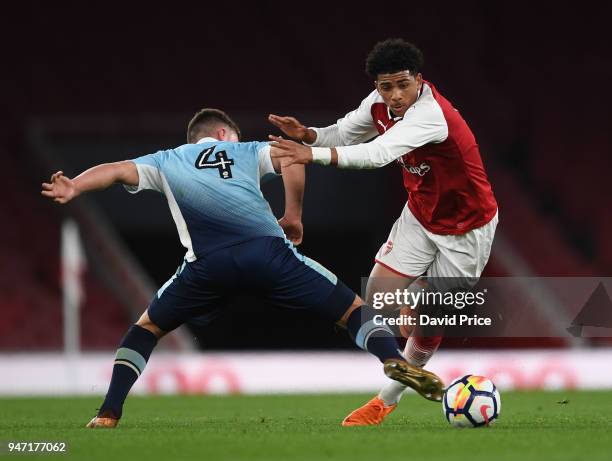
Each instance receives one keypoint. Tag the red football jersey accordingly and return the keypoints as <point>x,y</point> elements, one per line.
<point>448,189</point>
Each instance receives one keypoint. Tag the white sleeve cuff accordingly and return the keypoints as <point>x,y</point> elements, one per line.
<point>321,155</point>
<point>266,167</point>
<point>149,177</point>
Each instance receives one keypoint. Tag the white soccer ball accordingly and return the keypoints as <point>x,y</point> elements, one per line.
<point>471,401</point>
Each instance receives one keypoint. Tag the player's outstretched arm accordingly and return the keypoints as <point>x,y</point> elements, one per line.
<point>355,127</point>
<point>293,128</point>
<point>62,189</point>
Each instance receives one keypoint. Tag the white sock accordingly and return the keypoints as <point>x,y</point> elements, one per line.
<point>393,391</point>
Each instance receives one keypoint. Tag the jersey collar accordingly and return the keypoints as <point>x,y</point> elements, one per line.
<point>391,116</point>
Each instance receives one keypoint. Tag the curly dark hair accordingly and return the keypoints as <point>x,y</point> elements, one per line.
<point>204,121</point>
<point>394,55</point>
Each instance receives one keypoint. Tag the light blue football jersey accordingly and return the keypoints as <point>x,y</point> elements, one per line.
<point>213,192</point>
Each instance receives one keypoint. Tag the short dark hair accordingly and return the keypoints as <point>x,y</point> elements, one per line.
<point>205,121</point>
<point>394,55</point>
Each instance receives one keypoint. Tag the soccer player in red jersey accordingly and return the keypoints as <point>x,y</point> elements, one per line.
<point>448,224</point>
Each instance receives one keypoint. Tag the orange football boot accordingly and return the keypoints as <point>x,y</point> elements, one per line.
<point>371,413</point>
<point>104,421</point>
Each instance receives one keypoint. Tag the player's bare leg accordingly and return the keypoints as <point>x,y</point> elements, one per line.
<point>403,373</point>
<point>130,360</point>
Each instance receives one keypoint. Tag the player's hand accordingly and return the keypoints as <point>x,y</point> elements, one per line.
<point>294,230</point>
<point>289,152</point>
<point>61,188</point>
<point>290,126</point>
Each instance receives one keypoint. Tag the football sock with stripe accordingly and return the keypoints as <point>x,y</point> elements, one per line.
<point>419,349</point>
<point>377,339</point>
<point>130,361</point>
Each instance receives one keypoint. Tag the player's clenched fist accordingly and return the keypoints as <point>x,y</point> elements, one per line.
<point>61,188</point>
<point>293,228</point>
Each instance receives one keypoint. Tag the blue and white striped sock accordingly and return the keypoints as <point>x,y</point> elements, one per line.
<point>378,340</point>
<point>130,361</point>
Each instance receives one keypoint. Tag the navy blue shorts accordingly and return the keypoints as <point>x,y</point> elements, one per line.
<point>268,266</point>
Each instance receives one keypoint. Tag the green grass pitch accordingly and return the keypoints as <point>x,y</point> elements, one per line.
<point>533,426</point>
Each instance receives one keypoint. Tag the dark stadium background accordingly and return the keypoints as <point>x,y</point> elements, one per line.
<point>111,81</point>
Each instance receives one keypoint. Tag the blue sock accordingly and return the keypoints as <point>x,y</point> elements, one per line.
<point>376,339</point>
<point>130,361</point>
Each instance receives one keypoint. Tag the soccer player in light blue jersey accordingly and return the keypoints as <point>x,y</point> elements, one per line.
<point>234,244</point>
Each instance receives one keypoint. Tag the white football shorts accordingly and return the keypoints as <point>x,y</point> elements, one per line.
<point>412,251</point>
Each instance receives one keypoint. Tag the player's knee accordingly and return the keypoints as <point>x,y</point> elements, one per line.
<point>383,280</point>
<point>356,303</point>
<point>145,322</point>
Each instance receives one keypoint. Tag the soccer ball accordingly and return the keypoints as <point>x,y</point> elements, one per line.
<point>471,401</point>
